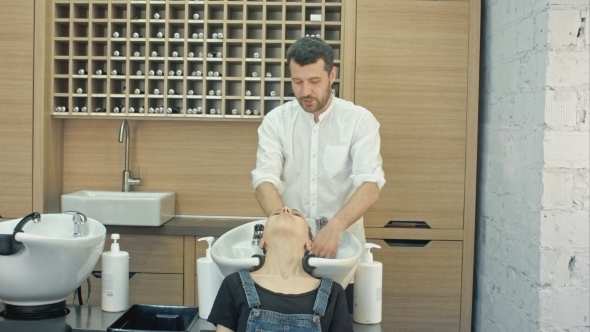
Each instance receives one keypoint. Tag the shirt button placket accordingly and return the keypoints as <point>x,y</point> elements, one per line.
<point>313,172</point>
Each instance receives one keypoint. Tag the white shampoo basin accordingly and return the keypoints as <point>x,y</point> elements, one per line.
<point>122,208</point>
<point>51,263</point>
<point>233,251</point>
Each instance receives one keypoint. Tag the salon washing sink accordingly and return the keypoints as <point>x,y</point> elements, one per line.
<point>51,263</point>
<point>233,251</point>
<point>122,208</point>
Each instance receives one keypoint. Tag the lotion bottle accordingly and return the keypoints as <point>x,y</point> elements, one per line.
<point>209,280</point>
<point>368,287</point>
<point>115,278</point>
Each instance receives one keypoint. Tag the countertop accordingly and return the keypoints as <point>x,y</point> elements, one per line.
<point>93,319</point>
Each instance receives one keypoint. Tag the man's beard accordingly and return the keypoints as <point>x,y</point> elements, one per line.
<point>320,103</point>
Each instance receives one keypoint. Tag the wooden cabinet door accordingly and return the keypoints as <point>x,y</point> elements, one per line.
<point>421,284</point>
<point>411,73</point>
<point>16,112</point>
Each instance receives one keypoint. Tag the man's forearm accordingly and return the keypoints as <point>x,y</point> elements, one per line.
<point>268,198</point>
<point>360,202</point>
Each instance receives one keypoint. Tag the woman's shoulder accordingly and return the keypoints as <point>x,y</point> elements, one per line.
<point>233,279</point>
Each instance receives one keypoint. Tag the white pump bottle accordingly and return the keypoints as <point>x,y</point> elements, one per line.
<point>115,278</point>
<point>368,288</point>
<point>209,280</point>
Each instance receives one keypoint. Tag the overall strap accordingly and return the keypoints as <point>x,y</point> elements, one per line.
<point>321,300</point>
<point>249,289</point>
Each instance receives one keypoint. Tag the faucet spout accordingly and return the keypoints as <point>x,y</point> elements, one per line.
<point>128,181</point>
<point>79,220</point>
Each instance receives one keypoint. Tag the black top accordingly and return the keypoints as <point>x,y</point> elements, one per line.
<point>231,310</point>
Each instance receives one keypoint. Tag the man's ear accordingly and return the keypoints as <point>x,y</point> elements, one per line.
<point>308,245</point>
<point>262,243</point>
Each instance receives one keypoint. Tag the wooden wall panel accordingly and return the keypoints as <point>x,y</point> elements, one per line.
<point>411,72</point>
<point>207,163</point>
<point>16,113</point>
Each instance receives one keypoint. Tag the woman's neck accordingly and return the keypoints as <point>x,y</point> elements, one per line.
<point>283,261</point>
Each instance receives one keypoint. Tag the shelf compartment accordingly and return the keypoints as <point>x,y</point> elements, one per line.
<point>273,51</point>
<point>293,31</point>
<point>60,85</point>
<point>61,48</point>
<point>214,67</point>
<point>136,84</point>
<point>214,28</point>
<point>176,11</point>
<point>120,28</point>
<point>62,10</point>
<point>333,13</point>
<point>253,31</point>
<point>117,87</point>
<point>332,32</point>
<point>272,86</point>
<point>196,8</point>
<point>215,11</point>
<point>196,48</point>
<point>80,103</point>
<point>157,8</point>
<point>135,66</point>
<point>156,84</point>
<point>253,106</point>
<point>235,12</point>
<point>288,90</point>
<point>274,69</point>
<point>254,68</point>
<point>234,69</point>
<point>60,102</point>
<point>119,11</point>
<point>138,11</point>
<point>251,49</point>
<point>176,28</point>
<point>121,47</point>
<point>176,66</point>
<point>235,31</point>
<point>234,88</point>
<point>274,13</point>
<point>157,47</point>
<point>212,104</point>
<point>62,29</point>
<point>312,10</point>
<point>60,67</point>
<point>99,30</point>
<point>274,32</point>
<point>254,12</point>
<point>80,29</point>
<point>254,88</point>
<point>196,86</point>
<point>81,10</point>
<point>135,104</point>
<point>137,46</point>
<point>178,88</point>
<point>234,50</point>
<point>270,105</point>
<point>98,103</point>
<point>179,49</point>
<point>233,104</point>
<point>98,64</point>
<point>215,86</point>
<point>98,86</point>
<point>155,65</point>
<point>293,13</point>
<point>118,102</point>
<point>79,64</point>
<point>100,10</point>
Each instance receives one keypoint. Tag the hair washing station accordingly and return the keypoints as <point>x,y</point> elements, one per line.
<point>235,249</point>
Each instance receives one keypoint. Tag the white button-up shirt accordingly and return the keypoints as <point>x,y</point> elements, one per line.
<point>316,167</point>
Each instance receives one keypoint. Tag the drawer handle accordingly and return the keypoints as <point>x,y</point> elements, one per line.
<point>407,243</point>
<point>98,274</point>
<point>407,224</point>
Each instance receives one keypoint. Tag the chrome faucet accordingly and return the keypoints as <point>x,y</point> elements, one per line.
<point>127,180</point>
<point>257,236</point>
<point>79,220</point>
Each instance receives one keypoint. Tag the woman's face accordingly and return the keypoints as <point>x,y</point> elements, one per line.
<point>286,223</point>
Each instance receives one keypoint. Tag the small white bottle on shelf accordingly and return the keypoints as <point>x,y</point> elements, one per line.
<point>209,280</point>
<point>115,278</point>
<point>368,288</point>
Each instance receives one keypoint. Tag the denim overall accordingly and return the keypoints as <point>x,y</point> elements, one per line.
<point>261,320</point>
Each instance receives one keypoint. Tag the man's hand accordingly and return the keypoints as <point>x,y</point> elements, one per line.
<point>325,242</point>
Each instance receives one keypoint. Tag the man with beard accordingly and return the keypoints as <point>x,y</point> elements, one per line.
<point>319,154</point>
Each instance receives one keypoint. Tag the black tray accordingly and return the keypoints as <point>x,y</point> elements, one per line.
<point>142,317</point>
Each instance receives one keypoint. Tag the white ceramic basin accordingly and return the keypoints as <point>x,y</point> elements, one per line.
<point>52,263</point>
<point>122,208</point>
<point>233,251</point>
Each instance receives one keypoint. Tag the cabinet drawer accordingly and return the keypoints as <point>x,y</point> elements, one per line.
<point>144,288</point>
<point>150,253</point>
<point>421,284</point>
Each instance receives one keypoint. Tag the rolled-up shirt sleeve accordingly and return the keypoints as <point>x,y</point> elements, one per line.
<point>269,157</point>
<point>365,153</point>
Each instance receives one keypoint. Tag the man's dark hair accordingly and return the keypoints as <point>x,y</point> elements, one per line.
<point>308,50</point>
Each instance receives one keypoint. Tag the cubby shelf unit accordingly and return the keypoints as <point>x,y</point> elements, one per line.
<point>114,58</point>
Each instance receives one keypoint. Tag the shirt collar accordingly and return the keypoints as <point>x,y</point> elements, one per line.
<point>323,115</point>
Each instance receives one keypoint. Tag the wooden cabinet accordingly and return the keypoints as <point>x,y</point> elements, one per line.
<point>417,71</point>
<point>156,265</point>
<point>16,113</point>
<point>421,284</point>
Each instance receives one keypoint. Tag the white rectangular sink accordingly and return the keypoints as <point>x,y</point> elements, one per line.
<point>122,208</point>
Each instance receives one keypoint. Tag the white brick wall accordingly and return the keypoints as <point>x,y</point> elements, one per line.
<point>532,261</point>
